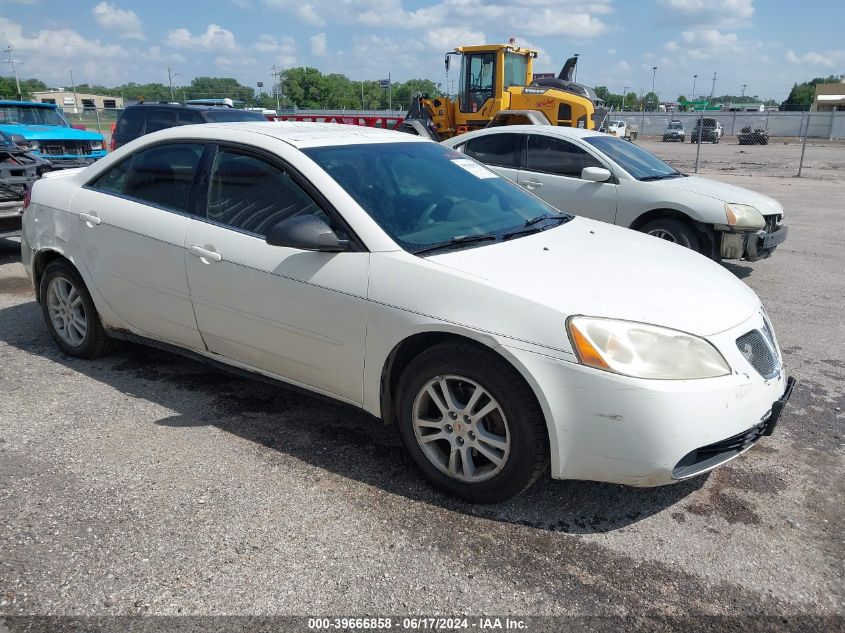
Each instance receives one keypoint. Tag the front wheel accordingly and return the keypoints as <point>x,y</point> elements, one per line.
<point>471,424</point>
<point>672,230</point>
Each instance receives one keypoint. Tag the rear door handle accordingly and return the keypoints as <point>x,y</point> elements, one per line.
<point>532,184</point>
<point>205,254</point>
<point>89,219</point>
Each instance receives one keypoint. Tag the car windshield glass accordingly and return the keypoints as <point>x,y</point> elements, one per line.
<point>635,160</point>
<point>31,115</point>
<point>228,116</point>
<point>675,126</point>
<point>425,194</point>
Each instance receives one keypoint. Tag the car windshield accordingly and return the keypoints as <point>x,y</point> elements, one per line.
<point>229,116</point>
<point>424,194</point>
<point>675,126</point>
<point>31,115</point>
<point>641,164</point>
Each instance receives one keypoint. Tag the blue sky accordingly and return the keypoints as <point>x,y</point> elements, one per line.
<point>766,44</point>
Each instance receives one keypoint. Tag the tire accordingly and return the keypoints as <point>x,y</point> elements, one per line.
<point>516,422</point>
<point>65,300</point>
<point>673,230</point>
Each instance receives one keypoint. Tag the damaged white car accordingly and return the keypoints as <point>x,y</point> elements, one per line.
<point>401,277</point>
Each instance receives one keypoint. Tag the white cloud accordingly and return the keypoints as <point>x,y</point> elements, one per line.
<point>125,21</point>
<point>708,12</point>
<point>215,38</point>
<point>827,59</point>
<point>319,45</point>
<point>447,38</point>
<point>281,51</point>
<point>307,13</point>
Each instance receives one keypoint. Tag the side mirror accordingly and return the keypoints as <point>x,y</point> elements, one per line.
<point>307,233</point>
<point>595,174</point>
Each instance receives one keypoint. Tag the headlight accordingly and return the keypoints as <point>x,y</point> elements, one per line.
<point>96,145</point>
<point>29,146</point>
<point>744,216</point>
<point>644,351</point>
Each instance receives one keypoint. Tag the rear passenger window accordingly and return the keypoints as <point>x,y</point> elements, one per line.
<point>188,117</point>
<point>130,123</point>
<point>114,179</point>
<point>160,120</point>
<point>501,150</point>
<point>250,194</point>
<point>555,156</point>
<point>163,175</point>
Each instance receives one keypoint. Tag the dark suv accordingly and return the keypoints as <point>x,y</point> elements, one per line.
<point>707,131</point>
<point>137,120</point>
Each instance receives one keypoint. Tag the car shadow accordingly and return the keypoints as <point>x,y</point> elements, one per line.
<point>331,436</point>
<point>740,271</point>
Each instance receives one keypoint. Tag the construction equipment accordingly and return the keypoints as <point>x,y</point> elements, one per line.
<point>498,77</point>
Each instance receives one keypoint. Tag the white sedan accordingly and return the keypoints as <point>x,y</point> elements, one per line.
<point>605,178</point>
<point>401,277</point>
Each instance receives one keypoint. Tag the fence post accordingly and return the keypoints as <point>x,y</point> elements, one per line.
<point>97,112</point>
<point>698,146</point>
<point>733,124</point>
<point>803,143</point>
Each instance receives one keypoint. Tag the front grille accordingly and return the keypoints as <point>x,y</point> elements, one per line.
<point>758,353</point>
<point>712,455</point>
<point>65,148</point>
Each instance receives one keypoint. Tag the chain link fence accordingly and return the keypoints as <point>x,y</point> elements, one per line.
<point>809,144</point>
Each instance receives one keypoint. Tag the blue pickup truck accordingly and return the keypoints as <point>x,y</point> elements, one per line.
<point>41,129</point>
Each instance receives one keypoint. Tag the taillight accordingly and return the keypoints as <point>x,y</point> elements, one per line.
<point>27,196</point>
<point>111,145</point>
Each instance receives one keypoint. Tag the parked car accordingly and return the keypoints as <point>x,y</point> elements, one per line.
<point>674,132</point>
<point>40,129</point>
<point>18,171</point>
<point>604,178</point>
<point>144,118</point>
<point>399,276</point>
<point>708,130</point>
<point>756,136</point>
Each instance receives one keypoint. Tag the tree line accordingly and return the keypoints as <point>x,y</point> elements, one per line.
<point>308,88</point>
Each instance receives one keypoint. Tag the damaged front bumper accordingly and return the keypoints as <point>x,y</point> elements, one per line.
<point>752,245</point>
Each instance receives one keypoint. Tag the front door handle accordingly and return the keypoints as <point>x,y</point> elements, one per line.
<point>532,184</point>
<point>90,219</point>
<point>205,254</point>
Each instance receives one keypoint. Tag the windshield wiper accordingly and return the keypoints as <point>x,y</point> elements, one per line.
<point>676,174</point>
<point>455,242</point>
<point>530,228</point>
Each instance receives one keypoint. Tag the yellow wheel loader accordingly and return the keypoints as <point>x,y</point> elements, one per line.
<point>495,82</point>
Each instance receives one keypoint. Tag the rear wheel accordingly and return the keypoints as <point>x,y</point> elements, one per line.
<point>70,314</point>
<point>470,423</point>
<point>672,230</point>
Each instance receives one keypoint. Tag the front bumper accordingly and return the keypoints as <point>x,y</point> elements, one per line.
<point>612,428</point>
<point>753,245</point>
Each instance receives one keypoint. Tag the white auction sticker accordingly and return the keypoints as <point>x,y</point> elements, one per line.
<point>474,168</point>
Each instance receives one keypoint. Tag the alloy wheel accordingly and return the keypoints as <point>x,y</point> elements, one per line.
<point>66,310</point>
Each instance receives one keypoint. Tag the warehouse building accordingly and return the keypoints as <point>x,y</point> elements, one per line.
<point>829,97</point>
<point>82,101</point>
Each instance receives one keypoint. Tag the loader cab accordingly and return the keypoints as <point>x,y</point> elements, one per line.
<point>486,74</point>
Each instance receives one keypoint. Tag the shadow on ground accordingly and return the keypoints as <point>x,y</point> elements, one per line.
<point>740,271</point>
<point>332,436</point>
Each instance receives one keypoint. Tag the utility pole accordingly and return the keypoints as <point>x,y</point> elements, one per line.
<point>692,96</point>
<point>170,77</point>
<point>277,79</point>
<point>713,86</point>
<point>12,62</point>
<point>624,92</point>
<point>75,101</point>
<point>389,93</point>
<point>653,74</point>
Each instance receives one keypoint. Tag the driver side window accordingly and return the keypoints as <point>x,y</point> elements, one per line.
<point>556,156</point>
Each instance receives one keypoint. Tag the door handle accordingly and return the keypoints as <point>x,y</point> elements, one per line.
<point>205,254</point>
<point>532,184</point>
<point>89,219</point>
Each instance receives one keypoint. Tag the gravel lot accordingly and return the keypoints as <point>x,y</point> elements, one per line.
<point>143,483</point>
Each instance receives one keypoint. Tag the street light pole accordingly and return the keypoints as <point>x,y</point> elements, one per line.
<point>692,96</point>
<point>73,85</point>
<point>624,92</point>
<point>744,86</point>
<point>653,74</point>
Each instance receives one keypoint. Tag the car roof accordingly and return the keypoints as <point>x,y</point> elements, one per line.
<point>547,130</point>
<point>300,134</point>
<point>33,104</point>
<point>181,106</point>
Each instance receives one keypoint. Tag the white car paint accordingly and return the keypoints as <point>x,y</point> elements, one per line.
<point>624,200</point>
<point>328,322</point>
<point>617,128</point>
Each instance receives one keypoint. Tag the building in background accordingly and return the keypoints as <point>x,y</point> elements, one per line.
<point>829,97</point>
<point>83,101</point>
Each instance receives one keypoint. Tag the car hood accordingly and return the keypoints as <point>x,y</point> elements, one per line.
<point>50,132</point>
<point>597,269</point>
<point>724,192</point>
